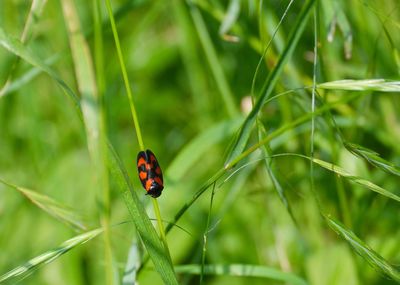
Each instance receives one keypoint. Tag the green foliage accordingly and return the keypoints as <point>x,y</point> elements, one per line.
<point>298,152</point>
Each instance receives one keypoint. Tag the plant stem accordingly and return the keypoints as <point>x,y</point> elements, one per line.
<point>106,210</point>
<point>125,75</point>
<point>203,255</point>
<point>161,227</point>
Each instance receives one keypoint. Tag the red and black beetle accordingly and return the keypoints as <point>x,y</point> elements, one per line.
<point>150,173</point>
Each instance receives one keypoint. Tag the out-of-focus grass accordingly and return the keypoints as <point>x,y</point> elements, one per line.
<point>191,66</point>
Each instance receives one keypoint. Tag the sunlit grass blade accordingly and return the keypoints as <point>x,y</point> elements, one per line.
<point>144,227</point>
<point>243,270</point>
<point>95,131</point>
<point>85,77</point>
<point>358,180</point>
<point>372,257</point>
<point>49,256</point>
<point>373,158</point>
<point>198,146</point>
<point>50,206</point>
<point>381,85</point>
<point>16,47</point>
<point>270,82</point>
<point>345,27</point>
<point>214,63</point>
<point>230,19</point>
<point>132,264</point>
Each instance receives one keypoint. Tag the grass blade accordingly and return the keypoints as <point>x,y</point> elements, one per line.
<point>50,255</point>
<point>16,47</point>
<point>363,182</point>
<point>269,84</point>
<point>373,258</point>
<point>148,234</point>
<point>85,78</point>
<point>372,157</point>
<point>230,19</point>
<point>13,85</point>
<point>381,85</point>
<point>95,130</point>
<point>50,206</point>
<point>214,62</point>
<point>244,270</point>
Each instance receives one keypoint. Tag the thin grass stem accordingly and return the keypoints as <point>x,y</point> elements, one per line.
<point>161,227</point>
<point>125,75</point>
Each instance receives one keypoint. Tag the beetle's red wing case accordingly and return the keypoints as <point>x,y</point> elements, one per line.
<point>150,173</point>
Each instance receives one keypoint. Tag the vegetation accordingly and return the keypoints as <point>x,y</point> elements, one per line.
<point>274,122</point>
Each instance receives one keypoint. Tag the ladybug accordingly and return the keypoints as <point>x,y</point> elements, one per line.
<point>150,173</point>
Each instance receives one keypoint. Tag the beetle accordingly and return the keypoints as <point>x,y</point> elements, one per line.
<point>150,173</point>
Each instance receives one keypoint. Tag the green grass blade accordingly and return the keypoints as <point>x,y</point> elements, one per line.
<point>125,75</point>
<point>373,158</point>
<point>198,146</point>
<point>90,105</point>
<point>272,79</point>
<point>144,227</point>
<point>16,47</point>
<point>214,62</point>
<point>49,256</point>
<point>275,182</point>
<point>358,180</point>
<point>33,16</point>
<point>50,206</point>
<point>13,85</point>
<point>372,257</point>
<point>381,85</point>
<point>243,270</point>
<point>231,16</point>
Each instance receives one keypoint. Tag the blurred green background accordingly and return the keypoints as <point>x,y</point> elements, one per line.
<point>191,66</point>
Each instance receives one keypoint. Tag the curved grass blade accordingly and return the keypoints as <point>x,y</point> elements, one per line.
<point>50,206</point>
<point>33,16</point>
<point>381,85</point>
<point>50,255</point>
<point>197,147</point>
<point>14,84</point>
<point>363,182</point>
<point>372,157</point>
<point>372,257</point>
<point>145,229</point>
<point>269,84</point>
<point>229,20</point>
<point>243,270</point>
<point>16,47</point>
<point>275,182</point>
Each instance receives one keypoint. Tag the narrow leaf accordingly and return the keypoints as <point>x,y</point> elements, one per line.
<point>230,19</point>
<point>270,82</point>
<point>362,85</point>
<point>50,206</point>
<point>142,222</point>
<point>373,158</point>
<point>244,270</point>
<point>372,257</point>
<point>16,47</point>
<point>363,182</point>
<point>50,255</point>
